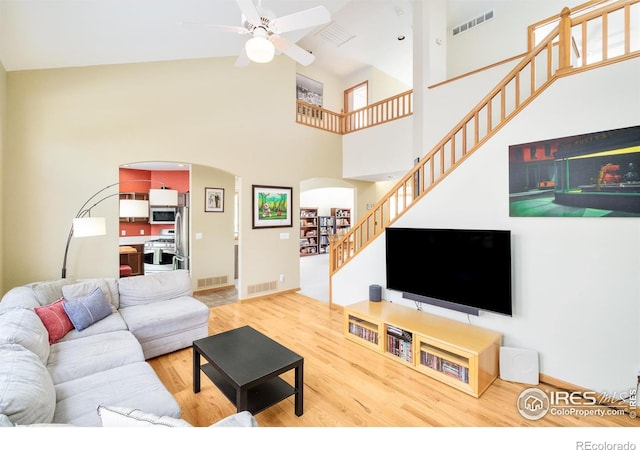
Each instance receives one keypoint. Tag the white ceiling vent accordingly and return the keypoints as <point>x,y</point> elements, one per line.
<point>482,18</point>
<point>335,34</point>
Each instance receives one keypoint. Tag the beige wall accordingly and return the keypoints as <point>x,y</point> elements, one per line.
<point>3,97</point>
<point>68,131</point>
<point>212,255</point>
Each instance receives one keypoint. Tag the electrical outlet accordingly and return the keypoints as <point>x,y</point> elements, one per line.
<point>141,232</point>
<point>124,232</point>
<point>281,278</point>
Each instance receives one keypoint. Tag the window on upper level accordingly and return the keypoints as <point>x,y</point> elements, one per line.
<point>356,97</point>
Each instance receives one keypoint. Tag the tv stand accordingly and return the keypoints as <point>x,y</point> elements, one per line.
<point>461,355</point>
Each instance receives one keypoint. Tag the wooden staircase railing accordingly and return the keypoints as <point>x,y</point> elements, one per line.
<point>550,59</point>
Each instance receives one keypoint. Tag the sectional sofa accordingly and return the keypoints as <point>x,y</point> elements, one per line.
<point>72,348</point>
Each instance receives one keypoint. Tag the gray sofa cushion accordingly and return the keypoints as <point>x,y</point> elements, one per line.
<point>23,326</point>
<point>134,385</point>
<point>154,287</point>
<point>81,357</point>
<point>112,323</point>
<point>157,329</point>
<point>27,393</point>
<point>109,287</point>
<point>48,292</point>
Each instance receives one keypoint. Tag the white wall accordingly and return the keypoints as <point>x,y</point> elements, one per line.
<point>575,280</point>
<point>326,198</point>
<point>500,38</point>
<point>381,149</point>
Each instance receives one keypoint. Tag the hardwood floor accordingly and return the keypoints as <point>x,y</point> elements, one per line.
<point>347,385</point>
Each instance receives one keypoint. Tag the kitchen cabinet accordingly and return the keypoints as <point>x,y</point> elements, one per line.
<point>134,196</point>
<point>133,256</point>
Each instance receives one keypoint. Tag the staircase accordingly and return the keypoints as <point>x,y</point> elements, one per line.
<point>557,55</point>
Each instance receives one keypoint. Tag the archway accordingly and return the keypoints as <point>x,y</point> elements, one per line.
<point>327,195</point>
<point>212,246</point>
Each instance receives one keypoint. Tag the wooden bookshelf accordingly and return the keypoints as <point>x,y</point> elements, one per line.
<point>461,355</point>
<point>342,219</point>
<point>308,231</point>
<point>325,229</point>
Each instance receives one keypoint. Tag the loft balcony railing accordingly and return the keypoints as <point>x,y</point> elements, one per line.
<point>393,108</point>
<point>592,39</point>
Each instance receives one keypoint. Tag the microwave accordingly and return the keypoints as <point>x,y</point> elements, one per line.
<point>162,215</point>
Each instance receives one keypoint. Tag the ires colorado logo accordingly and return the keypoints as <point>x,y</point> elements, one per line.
<point>534,403</point>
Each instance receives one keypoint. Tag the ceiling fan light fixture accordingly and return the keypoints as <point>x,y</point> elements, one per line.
<point>260,49</point>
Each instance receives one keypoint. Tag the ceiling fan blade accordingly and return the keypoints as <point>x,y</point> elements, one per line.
<point>293,51</point>
<point>303,19</point>
<point>227,28</point>
<point>243,59</point>
<point>249,10</point>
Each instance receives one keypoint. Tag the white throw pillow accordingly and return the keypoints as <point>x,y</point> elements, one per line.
<point>118,416</point>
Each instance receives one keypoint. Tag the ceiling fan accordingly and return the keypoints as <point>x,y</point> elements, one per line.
<point>265,29</point>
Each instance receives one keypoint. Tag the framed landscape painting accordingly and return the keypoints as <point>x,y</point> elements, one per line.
<point>271,206</point>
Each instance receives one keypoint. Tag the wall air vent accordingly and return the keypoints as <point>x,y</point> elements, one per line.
<point>211,282</point>
<point>262,287</point>
<point>482,18</point>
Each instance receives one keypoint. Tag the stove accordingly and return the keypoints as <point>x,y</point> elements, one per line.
<point>159,253</point>
<point>166,241</point>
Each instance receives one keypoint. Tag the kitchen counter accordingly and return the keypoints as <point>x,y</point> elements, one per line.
<point>135,240</point>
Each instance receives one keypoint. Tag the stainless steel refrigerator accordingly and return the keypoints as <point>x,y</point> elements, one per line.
<point>181,258</point>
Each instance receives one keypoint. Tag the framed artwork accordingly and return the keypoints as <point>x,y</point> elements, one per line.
<point>271,206</point>
<point>213,199</point>
<point>587,175</point>
<point>308,90</point>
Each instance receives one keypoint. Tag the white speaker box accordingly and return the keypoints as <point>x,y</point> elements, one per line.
<point>519,365</point>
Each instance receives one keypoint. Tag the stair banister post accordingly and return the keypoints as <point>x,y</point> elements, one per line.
<point>565,40</point>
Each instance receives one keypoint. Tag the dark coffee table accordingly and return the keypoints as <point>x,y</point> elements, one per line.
<point>244,364</point>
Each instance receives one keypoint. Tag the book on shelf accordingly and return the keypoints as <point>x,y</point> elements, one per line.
<point>364,333</point>
<point>444,366</point>
<point>400,347</point>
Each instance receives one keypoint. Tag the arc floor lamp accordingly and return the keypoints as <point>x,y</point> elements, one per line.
<point>84,225</point>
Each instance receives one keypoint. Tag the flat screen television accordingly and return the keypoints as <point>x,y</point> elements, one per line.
<point>464,270</point>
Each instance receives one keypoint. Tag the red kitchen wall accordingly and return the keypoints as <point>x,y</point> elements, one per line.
<point>173,179</point>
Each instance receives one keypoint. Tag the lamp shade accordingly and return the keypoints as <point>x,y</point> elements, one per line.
<point>163,197</point>
<point>259,49</point>
<point>89,226</point>
<point>134,208</point>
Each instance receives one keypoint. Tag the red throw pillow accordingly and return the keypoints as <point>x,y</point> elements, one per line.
<point>55,320</point>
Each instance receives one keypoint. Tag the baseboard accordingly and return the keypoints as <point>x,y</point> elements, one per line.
<point>555,382</point>
<point>260,297</point>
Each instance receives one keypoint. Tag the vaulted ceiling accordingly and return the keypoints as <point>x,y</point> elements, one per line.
<point>37,34</point>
